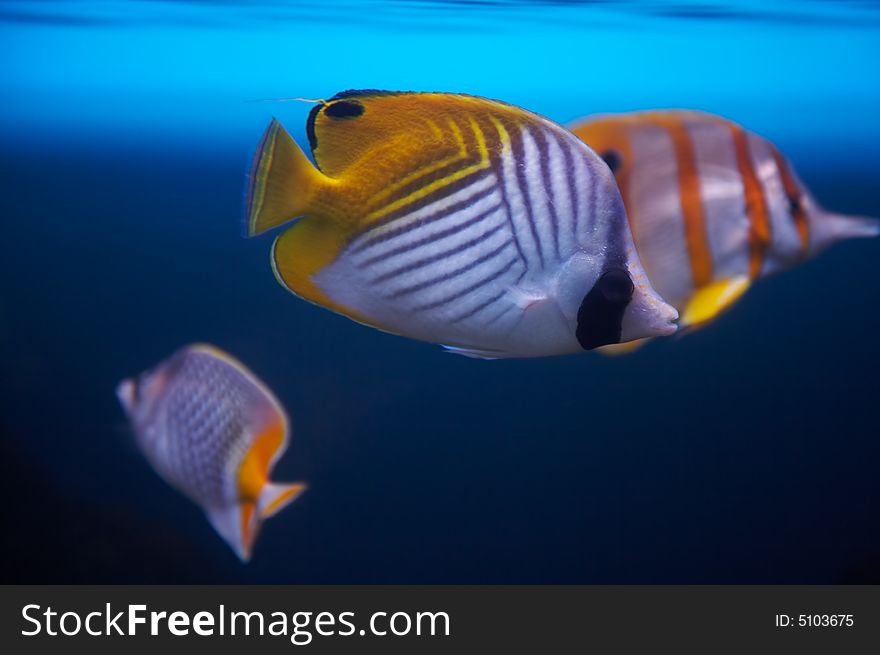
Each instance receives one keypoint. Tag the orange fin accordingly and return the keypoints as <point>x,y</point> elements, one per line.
<point>276,496</point>
<point>283,182</point>
<point>266,448</point>
<point>625,348</point>
<point>712,299</point>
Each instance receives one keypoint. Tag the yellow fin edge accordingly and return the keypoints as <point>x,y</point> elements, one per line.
<point>619,349</point>
<point>282,182</point>
<point>712,299</point>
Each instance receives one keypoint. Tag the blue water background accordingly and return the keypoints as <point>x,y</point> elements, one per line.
<point>745,452</point>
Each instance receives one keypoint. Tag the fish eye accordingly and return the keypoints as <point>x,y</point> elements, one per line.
<point>613,159</point>
<point>600,317</point>
<point>795,204</point>
<point>344,109</point>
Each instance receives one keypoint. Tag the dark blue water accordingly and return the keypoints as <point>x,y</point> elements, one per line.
<point>745,452</point>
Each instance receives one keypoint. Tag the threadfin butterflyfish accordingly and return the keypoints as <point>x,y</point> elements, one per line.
<point>213,431</point>
<point>712,207</point>
<point>456,220</point>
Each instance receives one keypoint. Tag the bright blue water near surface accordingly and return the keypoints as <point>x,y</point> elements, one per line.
<point>746,452</point>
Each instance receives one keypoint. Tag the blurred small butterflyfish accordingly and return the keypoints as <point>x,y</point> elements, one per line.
<point>456,220</point>
<point>712,207</point>
<point>213,431</point>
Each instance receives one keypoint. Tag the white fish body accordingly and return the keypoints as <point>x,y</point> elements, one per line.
<point>455,220</point>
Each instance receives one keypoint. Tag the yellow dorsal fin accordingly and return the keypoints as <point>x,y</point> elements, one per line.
<point>356,124</point>
<point>712,299</point>
<point>283,182</point>
<point>345,128</point>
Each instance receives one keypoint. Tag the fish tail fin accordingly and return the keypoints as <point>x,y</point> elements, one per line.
<point>283,182</point>
<point>832,228</point>
<point>276,496</point>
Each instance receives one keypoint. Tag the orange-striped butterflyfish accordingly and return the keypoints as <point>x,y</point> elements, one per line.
<point>213,431</point>
<point>712,206</point>
<point>456,220</point>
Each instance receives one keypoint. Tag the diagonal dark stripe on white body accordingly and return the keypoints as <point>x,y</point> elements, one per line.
<point>451,275</point>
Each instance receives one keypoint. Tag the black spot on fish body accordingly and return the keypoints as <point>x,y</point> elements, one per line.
<point>600,317</point>
<point>613,159</point>
<point>343,109</point>
<point>794,204</point>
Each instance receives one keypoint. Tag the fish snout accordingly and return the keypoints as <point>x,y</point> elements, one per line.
<point>125,392</point>
<point>648,315</point>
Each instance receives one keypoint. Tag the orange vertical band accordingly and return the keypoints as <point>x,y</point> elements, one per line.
<point>756,204</point>
<point>695,233</point>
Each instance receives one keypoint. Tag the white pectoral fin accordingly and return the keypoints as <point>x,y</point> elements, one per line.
<point>526,299</point>
<point>227,521</point>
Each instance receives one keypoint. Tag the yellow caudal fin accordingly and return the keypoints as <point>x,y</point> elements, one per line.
<point>618,349</point>
<point>711,300</point>
<point>283,182</point>
<point>276,496</point>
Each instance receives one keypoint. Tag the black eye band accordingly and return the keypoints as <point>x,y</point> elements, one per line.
<point>600,316</point>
